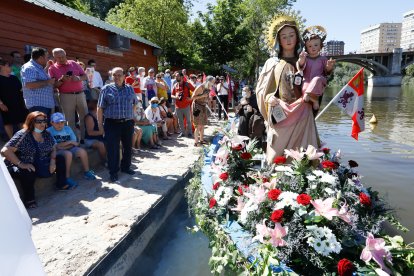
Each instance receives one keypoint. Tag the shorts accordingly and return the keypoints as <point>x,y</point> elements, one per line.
<point>89,142</point>
<point>73,150</point>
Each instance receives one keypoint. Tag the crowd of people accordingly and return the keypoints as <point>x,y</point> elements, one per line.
<point>52,110</point>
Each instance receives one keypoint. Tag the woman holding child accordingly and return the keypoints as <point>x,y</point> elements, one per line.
<point>31,153</point>
<point>290,120</point>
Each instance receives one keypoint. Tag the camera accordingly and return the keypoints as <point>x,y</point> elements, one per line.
<point>69,73</point>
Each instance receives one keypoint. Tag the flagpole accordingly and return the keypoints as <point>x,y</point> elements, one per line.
<point>329,104</point>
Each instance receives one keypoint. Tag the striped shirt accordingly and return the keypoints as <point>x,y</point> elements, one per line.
<point>117,102</point>
<point>43,96</point>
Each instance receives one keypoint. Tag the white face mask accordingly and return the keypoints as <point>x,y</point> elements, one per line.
<point>244,94</point>
<point>142,74</point>
<point>167,75</point>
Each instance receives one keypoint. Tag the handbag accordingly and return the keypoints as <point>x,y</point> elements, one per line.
<point>41,164</point>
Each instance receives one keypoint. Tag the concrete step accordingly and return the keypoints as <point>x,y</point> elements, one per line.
<point>46,186</point>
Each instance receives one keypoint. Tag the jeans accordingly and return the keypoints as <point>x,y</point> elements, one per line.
<point>27,178</point>
<point>116,132</point>
<point>181,112</point>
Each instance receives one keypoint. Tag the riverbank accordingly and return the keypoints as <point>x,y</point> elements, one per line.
<point>74,230</point>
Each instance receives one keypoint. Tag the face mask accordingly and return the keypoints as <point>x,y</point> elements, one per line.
<point>167,75</point>
<point>154,105</point>
<point>142,74</point>
<point>38,130</point>
<point>244,94</point>
<point>139,105</point>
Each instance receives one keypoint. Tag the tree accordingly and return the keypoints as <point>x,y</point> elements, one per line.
<point>163,22</point>
<point>80,5</point>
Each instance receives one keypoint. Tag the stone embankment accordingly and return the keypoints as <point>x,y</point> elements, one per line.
<point>74,230</point>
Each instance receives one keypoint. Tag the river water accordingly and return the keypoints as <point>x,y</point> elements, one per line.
<point>385,153</point>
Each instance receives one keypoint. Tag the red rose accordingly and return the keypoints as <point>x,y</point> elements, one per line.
<point>279,160</point>
<point>277,216</point>
<point>224,176</point>
<point>303,199</point>
<point>240,190</point>
<point>213,202</point>
<point>345,268</point>
<point>265,179</point>
<point>274,194</point>
<point>328,165</point>
<point>326,150</point>
<point>237,147</point>
<point>246,156</point>
<point>216,185</point>
<point>364,199</point>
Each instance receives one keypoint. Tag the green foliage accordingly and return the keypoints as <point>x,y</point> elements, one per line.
<point>163,22</point>
<point>80,5</point>
<point>344,72</point>
<point>408,79</point>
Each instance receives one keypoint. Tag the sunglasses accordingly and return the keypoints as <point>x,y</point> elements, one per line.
<point>40,121</point>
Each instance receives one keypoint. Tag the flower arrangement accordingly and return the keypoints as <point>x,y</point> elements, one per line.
<point>307,211</point>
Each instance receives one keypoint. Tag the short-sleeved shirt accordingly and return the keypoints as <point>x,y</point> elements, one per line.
<point>152,116</point>
<point>185,88</point>
<point>43,96</point>
<point>129,80</point>
<point>64,135</point>
<point>26,149</point>
<point>58,70</point>
<point>117,102</point>
<point>151,87</point>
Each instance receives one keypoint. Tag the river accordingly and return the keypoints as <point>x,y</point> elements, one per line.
<point>385,153</point>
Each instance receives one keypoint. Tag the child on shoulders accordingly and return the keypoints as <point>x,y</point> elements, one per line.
<point>68,146</point>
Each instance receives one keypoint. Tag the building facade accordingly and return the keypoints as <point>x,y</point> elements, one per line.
<point>25,24</point>
<point>407,31</point>
<point>334,48</point>
<point>381,38</point>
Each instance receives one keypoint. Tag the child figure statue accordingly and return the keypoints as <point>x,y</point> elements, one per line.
<point>315,67</point>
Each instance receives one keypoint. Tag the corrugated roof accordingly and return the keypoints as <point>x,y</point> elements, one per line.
<point>62,9</point>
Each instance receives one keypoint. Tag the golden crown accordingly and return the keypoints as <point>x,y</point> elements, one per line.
<point>275,25</point>
<point>314,31</point>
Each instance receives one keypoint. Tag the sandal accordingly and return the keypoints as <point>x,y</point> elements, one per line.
<point>32,204</point>
<point>203,142</point>
<point>196,144</point>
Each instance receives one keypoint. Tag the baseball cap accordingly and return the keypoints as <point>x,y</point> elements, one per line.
<point>57,117</point>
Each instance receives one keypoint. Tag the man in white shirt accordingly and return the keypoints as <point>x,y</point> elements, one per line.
<point>141,76</point>
<point>94,79</point>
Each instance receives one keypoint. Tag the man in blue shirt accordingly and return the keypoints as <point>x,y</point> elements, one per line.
<point>37,85</point>
<point>117,103</point>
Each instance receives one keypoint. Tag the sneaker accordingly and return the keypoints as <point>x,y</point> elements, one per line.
<point>190,135</point>
<point>89,175</point>
<point>72,183</point>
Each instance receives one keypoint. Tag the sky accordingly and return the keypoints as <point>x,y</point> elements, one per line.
<point>344,20</point>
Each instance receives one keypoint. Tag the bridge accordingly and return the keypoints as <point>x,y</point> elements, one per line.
<point>386,68</point>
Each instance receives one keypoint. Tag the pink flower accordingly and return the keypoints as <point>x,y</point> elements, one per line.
<point>344,215</point>
<point>375,249</point>
<point>311,153</point>
<point>222,155</point>
<point>276,235</point>
<point>261,232</point>
<point>294,154</point>
<point>240,205</point>
<point>258,194</point>
<point>324,207</point>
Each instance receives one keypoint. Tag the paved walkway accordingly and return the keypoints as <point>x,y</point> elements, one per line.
<point>72,230</point>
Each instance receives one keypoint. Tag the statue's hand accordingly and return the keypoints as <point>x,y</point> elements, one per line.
<point>273,101</point>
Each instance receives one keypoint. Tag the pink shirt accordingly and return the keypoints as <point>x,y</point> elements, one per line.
<point>58,70</point>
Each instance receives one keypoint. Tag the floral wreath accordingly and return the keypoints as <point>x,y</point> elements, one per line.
<point>314,31</point>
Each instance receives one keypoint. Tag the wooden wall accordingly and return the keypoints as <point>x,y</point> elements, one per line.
<point>22,23</point>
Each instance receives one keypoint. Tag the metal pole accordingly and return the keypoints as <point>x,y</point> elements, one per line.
<point>329,104</point>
